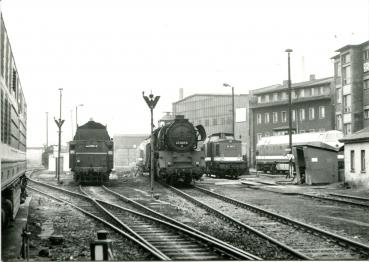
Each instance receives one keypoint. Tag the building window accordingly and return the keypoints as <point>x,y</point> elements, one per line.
<point>284,96</point>
<point>366,55</point>
<point>258,119</point>
<point>267,118</point>
<point>259,99</point>
<point>346,75</point>
<point>321,129</point>
<point>293,113</point>
<point>322,112</point>
<point>366,113</point>
<point>313,91</point>
<point>347,129</point>
<point>311,113</point>
<point>275,97</point>
<point>362,161</point>
<point>302,114</point>
<point>223,121</point>
<point>284,116</point>
<point>339,121</point>
<point>229,120</point>
<point>301,93</point>
<point>346,58</point>
<point>199,121</point>
<point>206,122</point>
<point>347,103</point>
<point>339,95</point>
<point>266,98</point>
<point>275,117</point>
<point>259,136</point>
<point>366,84</point>
<point>352,160</point>
<point>214,122</point>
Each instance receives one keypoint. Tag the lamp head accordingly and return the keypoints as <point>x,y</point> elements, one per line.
<point>226,85</point>
<point>288,50</point>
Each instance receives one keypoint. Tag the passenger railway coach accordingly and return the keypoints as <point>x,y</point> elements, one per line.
<point>13,119</point>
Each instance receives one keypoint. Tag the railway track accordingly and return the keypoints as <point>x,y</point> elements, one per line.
<point>340,198</point>
<point>164,240</point>
<point>176,240</point>
<point>304,240</point>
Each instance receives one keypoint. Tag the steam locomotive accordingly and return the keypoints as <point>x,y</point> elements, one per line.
<point>177,154</point>
<point>224,156</point>
<point>271,151</point>
<point>91,154</point>
<point>13,122</point>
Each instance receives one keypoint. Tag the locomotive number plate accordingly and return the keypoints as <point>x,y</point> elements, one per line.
<point>181,143</point>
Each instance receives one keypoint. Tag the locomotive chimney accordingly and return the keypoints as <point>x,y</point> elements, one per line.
<point>180,93</point>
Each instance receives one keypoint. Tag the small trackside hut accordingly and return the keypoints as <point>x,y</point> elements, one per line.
<point>91,154</point>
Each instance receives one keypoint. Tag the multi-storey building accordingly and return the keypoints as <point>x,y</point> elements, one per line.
<point>351,80</point>
<point>312,109</point>
<point>214,112</point>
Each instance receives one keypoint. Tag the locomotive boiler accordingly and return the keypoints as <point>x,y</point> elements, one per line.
<point>177,154</point>
<point>224,156</point>
<point>91,154</point>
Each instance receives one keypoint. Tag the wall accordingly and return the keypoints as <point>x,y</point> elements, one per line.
<point>34,157</point>
<point>357,178</point>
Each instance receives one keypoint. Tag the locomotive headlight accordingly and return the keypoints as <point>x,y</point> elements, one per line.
<point>169,163</point>
<point>197,163</point>
<point>110,152</point>
<point>72,152</point>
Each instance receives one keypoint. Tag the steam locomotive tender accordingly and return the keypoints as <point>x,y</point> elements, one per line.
<point>177,156</point>
<point>224,156</point>
<point>13,122</point>
<point>91,154</point>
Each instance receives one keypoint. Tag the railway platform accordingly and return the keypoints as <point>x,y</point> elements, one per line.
<point>12,236</point>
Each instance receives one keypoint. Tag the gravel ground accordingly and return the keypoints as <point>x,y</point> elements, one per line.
<point>342,219</point>
<point>50,218</point>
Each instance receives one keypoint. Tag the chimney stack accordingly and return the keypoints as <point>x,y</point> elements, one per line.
<point>312,77</point>
<point>180,93</point>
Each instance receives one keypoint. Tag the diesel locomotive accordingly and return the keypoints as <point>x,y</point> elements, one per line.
<point>177,154</point>
<point>13,120</point>
<point>91,154</point>
<point>224,156</point>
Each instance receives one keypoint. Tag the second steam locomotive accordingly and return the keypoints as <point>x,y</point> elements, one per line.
<point>177,151</point>
<point>91,154</point>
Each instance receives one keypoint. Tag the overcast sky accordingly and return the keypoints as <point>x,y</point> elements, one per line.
<point>105,53</point>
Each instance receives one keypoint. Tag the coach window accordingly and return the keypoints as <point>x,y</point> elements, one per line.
<point>217,151</point>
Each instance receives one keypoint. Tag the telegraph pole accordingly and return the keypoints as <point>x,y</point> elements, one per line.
<point>151,101</point>
<point>47,130</point>
<point>289,114</point>
<point>59,123</point>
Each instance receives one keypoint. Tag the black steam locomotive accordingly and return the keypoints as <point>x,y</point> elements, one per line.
<point>224,156</point>
<point>177,156</point>
<point>91,154</point>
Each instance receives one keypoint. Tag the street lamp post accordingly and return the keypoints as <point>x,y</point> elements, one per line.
<point>151,101</point>
<point>59,123</point>
<point>77,115</point>
<point>289,113</point>
<point>227,85</point>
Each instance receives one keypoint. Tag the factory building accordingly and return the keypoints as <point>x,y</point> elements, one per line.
<point>312,109</point>
<point>351,81</point>
<point>126,149</point>
<point>214,112</point>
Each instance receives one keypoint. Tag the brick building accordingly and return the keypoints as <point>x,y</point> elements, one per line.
<point>214,112</point>
<point>312,109</point>
<point>351,80</point>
